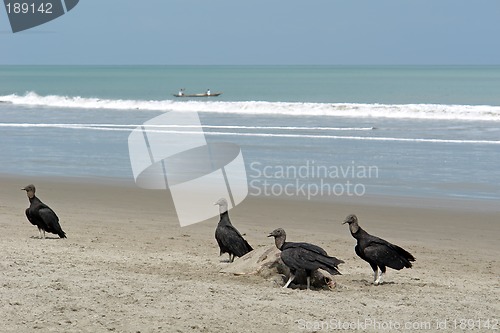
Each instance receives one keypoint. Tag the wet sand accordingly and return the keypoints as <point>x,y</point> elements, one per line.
<point>127,265</point>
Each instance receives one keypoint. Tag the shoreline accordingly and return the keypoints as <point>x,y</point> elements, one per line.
<point>458,203</point>
<point>462,217</point>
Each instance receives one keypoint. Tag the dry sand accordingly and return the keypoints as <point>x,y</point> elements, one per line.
<point>127,265</point>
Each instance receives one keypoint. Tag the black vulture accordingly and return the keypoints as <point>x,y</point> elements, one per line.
<point>303,256</point>
<point>41,215</point>
<point>228,237</point>
<point>377,252</point>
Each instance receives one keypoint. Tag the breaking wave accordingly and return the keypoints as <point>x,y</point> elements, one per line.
<point>356,110</point>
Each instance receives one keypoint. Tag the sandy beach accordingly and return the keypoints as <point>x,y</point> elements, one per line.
<point>127,265</point>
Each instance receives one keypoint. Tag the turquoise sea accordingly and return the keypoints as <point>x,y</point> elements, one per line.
<point>416,131</point>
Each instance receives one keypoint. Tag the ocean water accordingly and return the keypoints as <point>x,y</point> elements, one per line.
<point>306,131</point>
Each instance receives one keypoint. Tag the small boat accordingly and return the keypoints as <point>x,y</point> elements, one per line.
<point>198,95</point>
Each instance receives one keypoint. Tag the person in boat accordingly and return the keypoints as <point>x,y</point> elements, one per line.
<point>208,92</point>
<point>181,92</point>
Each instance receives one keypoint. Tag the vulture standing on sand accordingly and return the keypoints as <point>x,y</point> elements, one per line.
<point>41,215</point>
<point>229,239</point>
<point>298,256</point>
<point>377,252</point>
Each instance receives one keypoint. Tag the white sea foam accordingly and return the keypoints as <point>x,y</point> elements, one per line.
<point>171,129</point>
<point>131,126</point>
<point>412,111</point>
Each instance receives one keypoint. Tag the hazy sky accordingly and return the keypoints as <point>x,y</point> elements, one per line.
<point>230,32</point>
